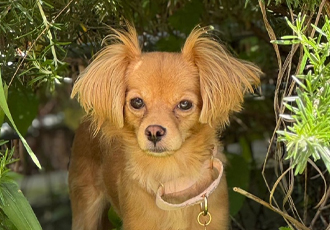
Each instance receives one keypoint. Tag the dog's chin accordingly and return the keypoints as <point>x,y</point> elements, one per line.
<point>159,152</point>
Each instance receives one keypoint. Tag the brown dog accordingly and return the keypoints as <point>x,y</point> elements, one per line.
<point>148,142</point>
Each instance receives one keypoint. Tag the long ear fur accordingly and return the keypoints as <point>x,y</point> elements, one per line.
<point>223,79</point>
<point>100,89</point>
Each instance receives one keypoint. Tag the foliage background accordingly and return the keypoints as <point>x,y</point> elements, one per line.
<point>45,44</point>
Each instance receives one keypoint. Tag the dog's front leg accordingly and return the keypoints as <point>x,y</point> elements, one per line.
<point>88,209</point>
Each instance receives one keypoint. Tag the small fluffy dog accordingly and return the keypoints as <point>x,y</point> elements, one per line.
<point>148,145</point>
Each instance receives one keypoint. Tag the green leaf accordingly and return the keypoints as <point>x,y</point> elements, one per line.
<point>114,218</point>
<point>17,208</point>
<point>319,30</point>
<point>5,223</point>
<point>171,43</point>
<point>23,105</point>
<point>5,160</point>
<point>289,37</point>
<point>5,109</point>
<point>23,11</point>
<point>2,114</point>
<point>314,59</point>
<point>285,42</point>
<point>326,159</point>
<point>187,17</point>
<point>298,82</point>
<point>245,149</point>
<point>285,228</point>
<point>234,179</point>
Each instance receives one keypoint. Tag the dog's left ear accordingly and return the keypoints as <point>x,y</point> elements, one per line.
<point>223,79</point>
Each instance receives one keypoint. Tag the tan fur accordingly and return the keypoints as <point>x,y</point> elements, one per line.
<point>112,159</point>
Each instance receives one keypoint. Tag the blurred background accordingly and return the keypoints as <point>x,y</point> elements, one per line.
<point>44,45</point>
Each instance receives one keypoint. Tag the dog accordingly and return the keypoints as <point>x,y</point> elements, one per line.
<point>148,144</point>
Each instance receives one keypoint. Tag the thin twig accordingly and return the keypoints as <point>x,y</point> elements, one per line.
<point>237,224</point>
<point>296,223</point>
<point>318,213</point>
<point>328,228</point>
<point>318,17</point>
<point>272,36</point>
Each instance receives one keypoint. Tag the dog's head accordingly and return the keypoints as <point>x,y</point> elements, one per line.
<point>164,98</point>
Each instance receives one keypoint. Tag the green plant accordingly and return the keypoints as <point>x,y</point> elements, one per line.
<point>285,228</point>
<point>37,50</point>
<point>33,60</point>
<point>302,104</point>
<point>308,136</point>
<point>15,211</point>
<point>5,111</point>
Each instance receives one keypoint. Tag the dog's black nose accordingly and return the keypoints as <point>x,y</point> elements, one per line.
<point>155,133</point>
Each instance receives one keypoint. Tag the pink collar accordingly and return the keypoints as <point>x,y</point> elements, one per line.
<point>182,184</point>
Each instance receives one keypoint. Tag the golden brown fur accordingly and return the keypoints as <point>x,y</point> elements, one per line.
<point>115,160</point>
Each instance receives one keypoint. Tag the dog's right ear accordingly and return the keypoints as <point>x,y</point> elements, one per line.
<point>100,89</point>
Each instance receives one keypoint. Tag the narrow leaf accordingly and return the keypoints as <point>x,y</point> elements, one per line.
<point>5,109</point>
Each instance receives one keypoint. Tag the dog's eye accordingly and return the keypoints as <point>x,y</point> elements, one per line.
<point>185,105</point>
<point>137,103</point>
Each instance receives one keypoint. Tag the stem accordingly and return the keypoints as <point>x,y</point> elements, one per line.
<point>322,206</point>
<point>49,34</point>
<point>296,223</point>
<point>318,17</point>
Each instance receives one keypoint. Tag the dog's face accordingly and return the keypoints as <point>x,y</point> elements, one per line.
<point>163,101</point>
<point>164,98</point>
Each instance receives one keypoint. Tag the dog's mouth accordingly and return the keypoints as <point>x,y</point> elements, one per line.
<point>158,151</point>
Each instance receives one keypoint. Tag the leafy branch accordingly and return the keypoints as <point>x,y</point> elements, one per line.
<point>309,134</point>
<point>39,61</point>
